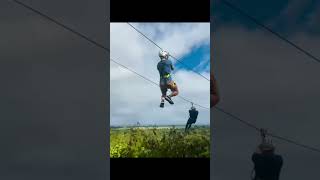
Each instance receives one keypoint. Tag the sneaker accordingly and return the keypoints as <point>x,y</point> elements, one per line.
<point>167,98</point>
<point>162,104</point>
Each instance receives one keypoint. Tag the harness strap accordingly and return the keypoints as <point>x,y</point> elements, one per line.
<point>167,75</point>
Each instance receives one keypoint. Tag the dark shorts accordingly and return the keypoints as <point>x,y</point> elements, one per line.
<point>165,81</point>
<point>191,121</point>
<point>165,85</point>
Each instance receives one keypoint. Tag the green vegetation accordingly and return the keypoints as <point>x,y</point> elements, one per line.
<point>159,142</point>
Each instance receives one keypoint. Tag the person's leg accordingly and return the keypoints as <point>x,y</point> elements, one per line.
<point>185,130</point>
<point>188,124</point>
<point>163,89</point>
<point>188,127</point>
<point>168,98</point>
<point>162,103</point>
<point>174,89</point>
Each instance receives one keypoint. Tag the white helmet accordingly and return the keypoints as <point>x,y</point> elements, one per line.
<point>164,55</point>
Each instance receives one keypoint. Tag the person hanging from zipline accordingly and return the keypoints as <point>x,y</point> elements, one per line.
<point>214,94</point>
<point>165,68</point>
<point>193,115</point>
<point>267,164</point>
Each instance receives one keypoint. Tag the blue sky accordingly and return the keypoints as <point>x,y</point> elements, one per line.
<point>198,59</point>
<point>283,16</point>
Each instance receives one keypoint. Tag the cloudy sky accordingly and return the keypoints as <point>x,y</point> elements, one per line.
<point>134,99</point>
<point>267,82</point>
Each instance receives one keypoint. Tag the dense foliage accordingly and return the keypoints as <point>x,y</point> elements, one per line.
<point>156,142</point>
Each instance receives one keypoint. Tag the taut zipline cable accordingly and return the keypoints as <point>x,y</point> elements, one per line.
<point>149,80</point>
<point>169,52</point>
<point>256,21</point>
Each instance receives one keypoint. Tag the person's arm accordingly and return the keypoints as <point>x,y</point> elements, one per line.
<point>171,65</point>
<point>159,69</point>
<point>214,94</point>
<point>255,156</point>
<point>280,167</point>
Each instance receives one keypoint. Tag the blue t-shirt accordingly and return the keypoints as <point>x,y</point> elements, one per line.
<point>267,166</point>
<point>165,67</point>
<point>193,114</point>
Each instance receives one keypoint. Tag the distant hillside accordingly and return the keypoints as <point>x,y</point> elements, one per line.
<point>158,126</point>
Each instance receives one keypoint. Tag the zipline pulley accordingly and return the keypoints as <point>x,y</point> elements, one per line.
<point>263,134</point>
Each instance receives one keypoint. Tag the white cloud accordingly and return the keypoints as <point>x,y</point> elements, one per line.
<point>133,98</point>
